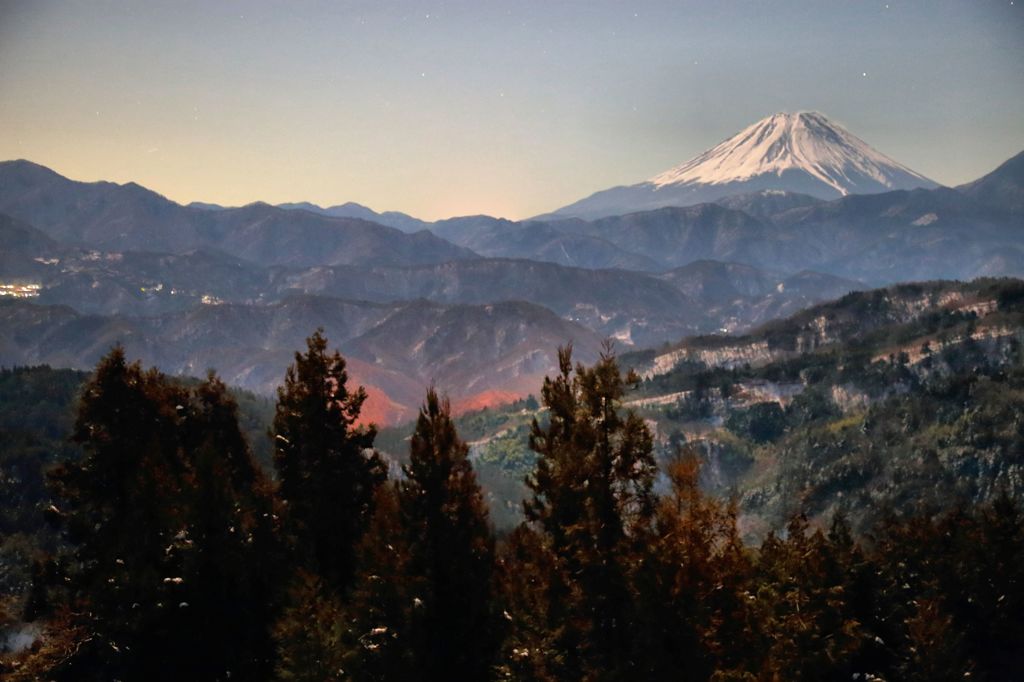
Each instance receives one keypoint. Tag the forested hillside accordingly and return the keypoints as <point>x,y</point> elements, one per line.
<point>898,400</point>
<point>848,510</point>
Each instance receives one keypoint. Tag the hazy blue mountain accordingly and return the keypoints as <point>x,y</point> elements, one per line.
<point>900,236</point>
<point>739,296</point>
<point>560,242</point>
<point>653,241</point>
<point>1002,189</point>
<point>676,236</point>
<point>877,238</point>
<point>395,219</point>
<point>767,203</point>
<point>635,308</point>
<point>857,240</point>
<point>205,205</point>
<point>712,281</point>
<point>719,266</point>
<point>23,250</point>
<point>115,217</point>
<point>627,305</point>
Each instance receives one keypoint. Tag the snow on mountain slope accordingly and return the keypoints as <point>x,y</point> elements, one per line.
<point>801,152</point>
<point>805,141</point>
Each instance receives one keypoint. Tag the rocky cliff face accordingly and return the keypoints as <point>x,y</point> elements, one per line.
<point>727,356</point>
<point>854,316</point>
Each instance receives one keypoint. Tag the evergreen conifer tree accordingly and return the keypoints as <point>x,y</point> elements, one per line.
<point>380,615</point>
<point>592,503</point>
<point>121,507</point>
<point>807,623</point>
<point>689,583</point>
<point>423,607</point>
<point>327,474</point>
<point>173,535</point>
<point>310,633</point>
<point>230,555</point>
<point>451,551</point>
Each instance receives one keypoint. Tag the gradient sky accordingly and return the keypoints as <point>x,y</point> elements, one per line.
<point>499,107</point>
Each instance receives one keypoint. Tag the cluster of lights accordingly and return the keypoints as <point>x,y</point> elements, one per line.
<point>19,290</point>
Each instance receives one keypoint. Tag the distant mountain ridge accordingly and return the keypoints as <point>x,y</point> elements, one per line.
<point>395,219</point>
<point>802,152</point>
<point>1002,189</point>
<point>964,233</point>
<point>136,267</point>
<point>396,350</point>
<point>350,209</point>
<point>130,217</point>
<point>636,308</point>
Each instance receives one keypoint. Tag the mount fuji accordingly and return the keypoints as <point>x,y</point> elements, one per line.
<point>801,152</point>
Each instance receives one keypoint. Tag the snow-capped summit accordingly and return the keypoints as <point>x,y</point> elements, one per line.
<point>801,152</point>
<point>805,141</point>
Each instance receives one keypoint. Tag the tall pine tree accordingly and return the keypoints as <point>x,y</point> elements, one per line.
<point>451,550</point>
<point>121,507</point>
<point>379,620</point>
<point>424,607</point>
<point>231,563</point>
<point>326,470</point>
<point>593,504</point>
<point>173,534</point>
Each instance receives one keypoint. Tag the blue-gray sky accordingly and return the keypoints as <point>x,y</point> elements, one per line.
<point>503,107</point>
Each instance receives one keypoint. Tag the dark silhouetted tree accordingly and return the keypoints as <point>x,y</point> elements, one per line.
<point>230,554</point>
<point>807,626</point>
<point>424,606</point>
<point>379,619</point>
<point>327,473</point>
<point>451,551</point>
<point>592,505</point>
<point>121,507</point>
<point>310,633</point>
<point>173,534</point>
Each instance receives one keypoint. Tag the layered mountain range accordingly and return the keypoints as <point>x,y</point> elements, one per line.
<point>478,304</point>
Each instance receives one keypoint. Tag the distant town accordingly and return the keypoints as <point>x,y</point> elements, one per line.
<point>19,290</point>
